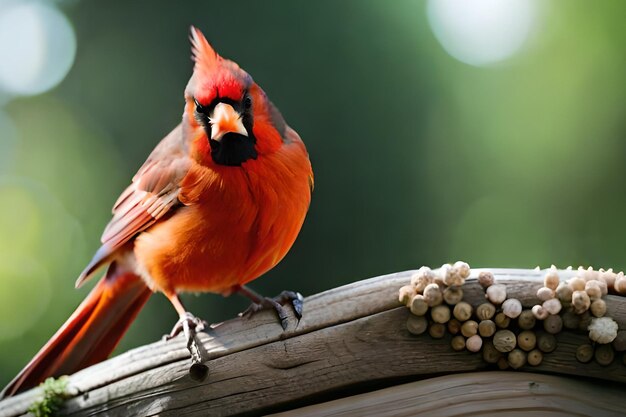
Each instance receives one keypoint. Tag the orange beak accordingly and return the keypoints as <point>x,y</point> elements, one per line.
<point>225,119</point>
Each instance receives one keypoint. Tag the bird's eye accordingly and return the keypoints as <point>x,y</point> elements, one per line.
<point>247,103</point>
<point>199,107</point>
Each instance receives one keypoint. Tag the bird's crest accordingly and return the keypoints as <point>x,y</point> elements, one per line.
<point>204,55</point>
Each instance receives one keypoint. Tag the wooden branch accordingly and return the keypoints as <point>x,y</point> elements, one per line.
<point>350,338</point>
<point>479,394</point>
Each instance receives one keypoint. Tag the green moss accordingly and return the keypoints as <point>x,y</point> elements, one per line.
<point>53,396</point>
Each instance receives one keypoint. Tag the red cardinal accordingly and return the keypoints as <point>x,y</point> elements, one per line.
<point>218,203</point>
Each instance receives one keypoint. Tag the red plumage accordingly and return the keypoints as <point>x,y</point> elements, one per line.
<point>218,203</point>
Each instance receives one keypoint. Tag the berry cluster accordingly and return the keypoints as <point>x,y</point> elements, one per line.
<point>500,328</point>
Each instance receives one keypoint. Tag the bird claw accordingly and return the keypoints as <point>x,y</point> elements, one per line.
<point>294,298</point>
<point>276,303</point>
<point>189,325</point>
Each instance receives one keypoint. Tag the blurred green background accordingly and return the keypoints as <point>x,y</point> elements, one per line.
<point>492,133</point>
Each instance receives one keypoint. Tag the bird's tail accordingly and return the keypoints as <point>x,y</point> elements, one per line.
<point>90,334</point>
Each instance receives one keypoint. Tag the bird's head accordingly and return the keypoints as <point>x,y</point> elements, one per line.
<point>228,117</point>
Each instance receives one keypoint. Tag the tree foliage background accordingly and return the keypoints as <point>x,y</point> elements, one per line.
<point>419,158</point>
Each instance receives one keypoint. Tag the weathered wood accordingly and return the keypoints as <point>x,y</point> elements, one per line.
<point>349,336</point>
<point>498,394</point>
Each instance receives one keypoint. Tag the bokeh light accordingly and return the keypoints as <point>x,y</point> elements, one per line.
<point>482,32</point>
<point>25,287</point>
<point>21,217</point>
<point>25,293</point>
<point>38,47</point>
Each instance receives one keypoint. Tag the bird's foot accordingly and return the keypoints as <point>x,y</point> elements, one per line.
<point>189,325</point>
<point>277,303</point>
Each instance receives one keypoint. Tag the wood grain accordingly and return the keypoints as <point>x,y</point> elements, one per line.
<point>478,393</point>
<point>350,338</point>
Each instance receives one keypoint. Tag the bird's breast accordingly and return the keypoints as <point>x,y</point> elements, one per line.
<point>241,223</point>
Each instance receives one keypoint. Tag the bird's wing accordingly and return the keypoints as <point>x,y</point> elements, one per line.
<point>153,193</point>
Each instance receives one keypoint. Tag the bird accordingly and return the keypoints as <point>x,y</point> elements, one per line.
<point>218,203</point>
